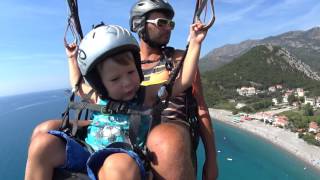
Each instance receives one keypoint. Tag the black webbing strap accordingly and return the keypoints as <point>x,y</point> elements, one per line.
<point>192,117</point>
<point>165,91</point>
<point>198,11</point>
<point>134,129</point>
<point>110,108</point>
<point>66,114</point>
<point>167,53</point>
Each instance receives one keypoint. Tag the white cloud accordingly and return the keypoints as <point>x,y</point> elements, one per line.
<point>18,10</point>
<point>228,17</point>
<point>304,21</point>
<point>233,1</point>
<point>283,6</point>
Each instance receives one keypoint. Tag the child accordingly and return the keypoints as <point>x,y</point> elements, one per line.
<point>109,60</point>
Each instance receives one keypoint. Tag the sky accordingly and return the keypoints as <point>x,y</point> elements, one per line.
<point>32,55</point>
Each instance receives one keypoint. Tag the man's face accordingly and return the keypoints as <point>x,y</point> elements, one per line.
<point>159,34</point>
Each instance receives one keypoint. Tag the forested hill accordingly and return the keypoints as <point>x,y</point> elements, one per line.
<point>261,67</point>
<point>305,45</point>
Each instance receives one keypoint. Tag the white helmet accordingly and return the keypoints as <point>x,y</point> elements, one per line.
<point>102,42</point>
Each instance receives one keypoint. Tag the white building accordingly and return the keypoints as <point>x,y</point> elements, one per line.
<point>300,92</point>
<point>272,89</point>
<point>246,91</point>
<point>240,105</point>
<point>279,86</point>
<point>285,97</point>
<point>275,101</point>
<point>317,102</point>
<point>310,101</point>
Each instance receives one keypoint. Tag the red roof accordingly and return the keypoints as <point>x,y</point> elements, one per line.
<point>313,125</point>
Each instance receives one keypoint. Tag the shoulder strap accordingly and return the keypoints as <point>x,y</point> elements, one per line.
<point>168,53</point>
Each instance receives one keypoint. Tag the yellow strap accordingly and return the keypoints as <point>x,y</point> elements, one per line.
<point>156,78</point>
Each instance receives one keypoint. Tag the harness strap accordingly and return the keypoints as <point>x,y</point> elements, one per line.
<point>110,108</point>
<point>65,115</point>
<point>192,117</point>
<point>198,11</point>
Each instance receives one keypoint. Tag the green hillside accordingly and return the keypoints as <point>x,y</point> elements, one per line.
<point>260,67</point>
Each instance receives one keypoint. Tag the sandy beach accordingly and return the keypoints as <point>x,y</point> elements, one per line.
<point>281,137</point>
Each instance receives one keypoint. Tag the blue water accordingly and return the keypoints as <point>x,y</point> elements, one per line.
<point>252,157</point>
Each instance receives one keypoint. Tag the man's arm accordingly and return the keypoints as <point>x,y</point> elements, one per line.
<point>210,168</point>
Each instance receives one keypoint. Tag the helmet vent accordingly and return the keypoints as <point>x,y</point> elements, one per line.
<point>82,55</point>
<point>141,4</point>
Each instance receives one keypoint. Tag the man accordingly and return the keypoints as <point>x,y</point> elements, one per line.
<point>170,142</point>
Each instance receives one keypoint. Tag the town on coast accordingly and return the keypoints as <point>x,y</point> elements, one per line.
<point>277,135</point>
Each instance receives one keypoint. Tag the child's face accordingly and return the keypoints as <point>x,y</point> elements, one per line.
<point>121,81</point>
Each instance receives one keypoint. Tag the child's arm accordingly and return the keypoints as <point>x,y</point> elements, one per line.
<point>190,64</point>
<point>74,72</point>
<point>189,68</point>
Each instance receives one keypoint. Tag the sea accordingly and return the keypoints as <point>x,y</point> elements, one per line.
<point>241,155</point>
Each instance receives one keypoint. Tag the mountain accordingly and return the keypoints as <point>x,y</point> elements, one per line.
<point>305,45</point>
<point>262,66</point>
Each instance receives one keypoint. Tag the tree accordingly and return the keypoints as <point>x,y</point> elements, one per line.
<point>247,109</point>
<point>279,99</point>
<point>291,99</point>
<point>308,110</point>
<point>301,99</point>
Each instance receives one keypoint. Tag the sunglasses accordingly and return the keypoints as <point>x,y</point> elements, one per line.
<point>162,22</point>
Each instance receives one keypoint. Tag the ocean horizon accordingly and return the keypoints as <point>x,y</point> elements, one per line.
<point>241,155</point>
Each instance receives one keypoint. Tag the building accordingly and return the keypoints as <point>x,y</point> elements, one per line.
<point>310,101</point>
<point>279,86</point>
<point>313,127</point>
<point>272,89</point>
<point>318,102</point>
<point>280,121</point>
<point>300,92</point>
<point>246,91</point>
<point>240,105</point>
<point>275,101</point>
<point>317,137</point>
<point>285,97</point>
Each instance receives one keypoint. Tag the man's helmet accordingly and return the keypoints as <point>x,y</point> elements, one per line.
<point>140,10</point>
<point>102,42</point>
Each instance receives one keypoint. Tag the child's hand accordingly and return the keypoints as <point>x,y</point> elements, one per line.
<point>71,50</point>
<point>197,33</point>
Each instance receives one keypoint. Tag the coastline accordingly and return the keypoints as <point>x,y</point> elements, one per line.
<point>284,139</point>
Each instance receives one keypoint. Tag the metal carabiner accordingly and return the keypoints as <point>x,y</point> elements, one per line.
<point>73,32</point>
<point>73,23</point>
<point>201,4</point>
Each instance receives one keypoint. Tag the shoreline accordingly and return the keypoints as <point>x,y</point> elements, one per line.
<point>282,138</point>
